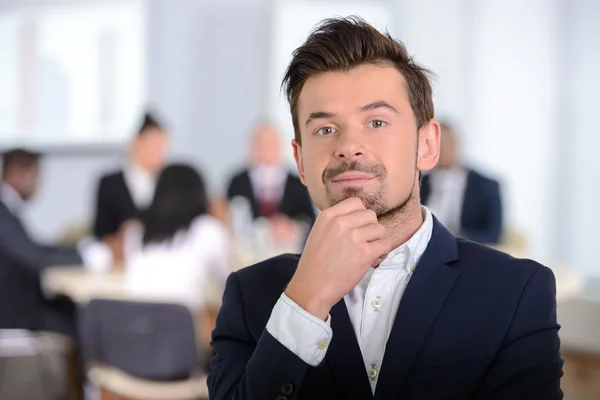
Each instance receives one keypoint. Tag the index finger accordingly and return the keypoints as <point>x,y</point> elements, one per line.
<point>344,207</point>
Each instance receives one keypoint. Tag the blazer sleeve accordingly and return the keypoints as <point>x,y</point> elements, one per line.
<point>246,369</point>
<point>17,246</point>
<point>103,219</point>
<point>528,365</point>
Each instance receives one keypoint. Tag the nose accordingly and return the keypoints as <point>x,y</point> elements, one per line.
<point>349,147</point>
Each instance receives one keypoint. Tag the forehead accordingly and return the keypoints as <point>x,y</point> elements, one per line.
<point>153,135</point>
<point>265,133</point>
<point>339,91</point>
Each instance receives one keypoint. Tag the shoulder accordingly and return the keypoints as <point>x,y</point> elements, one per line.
<point>293,178</point>
<point>112,177</point>
<point>484,266</point>
<point>293,181</point>
<point>482,179</point>
<point>240,175</point>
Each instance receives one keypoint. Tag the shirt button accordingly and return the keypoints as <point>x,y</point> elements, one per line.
<point>322,345</point>
<point>377,304</point>
<point>287,388</point>
<point>412,267</point>
<point>372,372</point>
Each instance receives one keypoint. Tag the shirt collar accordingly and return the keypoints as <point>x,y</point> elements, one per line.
<point>408,254</point>
<point>11,198</point>
<point>134,170</point>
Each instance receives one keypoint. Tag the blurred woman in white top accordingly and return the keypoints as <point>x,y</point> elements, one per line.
<point>175,248</point>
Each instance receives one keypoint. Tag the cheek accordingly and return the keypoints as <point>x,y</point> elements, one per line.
<point>314,163</point>
<point>399,162</point>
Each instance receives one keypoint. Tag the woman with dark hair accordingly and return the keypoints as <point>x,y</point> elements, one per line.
<point>175,247</point>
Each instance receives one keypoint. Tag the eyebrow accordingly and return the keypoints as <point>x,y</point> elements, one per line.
<point>379,104</point>
<point>318,115</point>
<point>371,106</point>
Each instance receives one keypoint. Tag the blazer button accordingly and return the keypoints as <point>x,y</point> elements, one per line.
<point>281,397</point>
<point>287,388</point>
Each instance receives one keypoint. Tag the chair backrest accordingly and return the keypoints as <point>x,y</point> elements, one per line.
<point>153,341</point>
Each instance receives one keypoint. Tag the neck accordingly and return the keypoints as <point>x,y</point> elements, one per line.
<point>139,167</point>
<point>403,221</point>
<point>402,224</point>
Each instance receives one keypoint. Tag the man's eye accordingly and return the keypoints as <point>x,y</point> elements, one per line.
<point>325,131</point>
<point>377,124</point>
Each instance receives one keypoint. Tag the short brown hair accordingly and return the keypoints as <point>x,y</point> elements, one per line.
<point>341,44</point>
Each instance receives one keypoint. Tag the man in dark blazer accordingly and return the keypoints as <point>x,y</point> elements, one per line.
<point>384,302</point>
<point>22,305</point>
<point>267,185</point>
<point>466,202</point>
<point>122,193</point>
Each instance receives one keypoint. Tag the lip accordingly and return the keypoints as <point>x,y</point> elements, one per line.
<point>353,177</point>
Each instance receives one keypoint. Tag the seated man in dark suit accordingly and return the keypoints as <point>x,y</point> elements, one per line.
<point>384,302</point>
<point>122,193</point>
<point>22,304</point>
<point>466,202</point>
<point>266,184</point>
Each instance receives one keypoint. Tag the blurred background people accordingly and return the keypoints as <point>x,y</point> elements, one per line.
<point>22,304</point>
<point>122,193</point>
<point>176,247</point>
<point>177,252</point>
<point>268,186</point>
<point>465,201</point>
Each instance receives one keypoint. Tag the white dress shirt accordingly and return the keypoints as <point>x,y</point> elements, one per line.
<point>372,306</point>
<point>95,256</point>
<point>178,270</point>
<point>447,196</point>
<point>268,182</point>
<point>141,185</point>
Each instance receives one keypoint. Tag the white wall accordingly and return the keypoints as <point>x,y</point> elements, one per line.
<point>580,136</point>
<point>495,61</point>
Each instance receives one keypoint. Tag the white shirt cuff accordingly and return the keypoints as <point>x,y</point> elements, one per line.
<point>301,332</point>
<point>96,256</point>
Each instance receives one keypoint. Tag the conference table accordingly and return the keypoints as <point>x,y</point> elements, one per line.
<point>82,285</point>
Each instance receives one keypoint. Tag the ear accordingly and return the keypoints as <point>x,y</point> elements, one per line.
<point>298,157</point>
<point>429,145</point>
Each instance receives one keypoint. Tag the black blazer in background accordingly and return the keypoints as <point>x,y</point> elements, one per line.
<point>114,205</point>
<point>295,202</point>
<point>481,216</point>
<point>21,260</point>
<point>473,323</point>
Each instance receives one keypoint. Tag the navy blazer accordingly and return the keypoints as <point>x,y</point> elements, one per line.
<point>295,202</point>
<point>474,323</point>
<point>481,215</point>
<point>114,205</point>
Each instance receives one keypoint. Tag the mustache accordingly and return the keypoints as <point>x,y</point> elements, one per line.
<point>374,169</point>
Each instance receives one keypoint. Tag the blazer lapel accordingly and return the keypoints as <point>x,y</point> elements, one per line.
<point>425,294</point>
<point>127,192</point>
<point>345,358</point>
